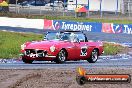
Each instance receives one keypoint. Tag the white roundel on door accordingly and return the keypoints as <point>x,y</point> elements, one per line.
<point>84,51</point>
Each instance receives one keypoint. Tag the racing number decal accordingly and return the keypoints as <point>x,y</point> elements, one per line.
<point>83,51</point>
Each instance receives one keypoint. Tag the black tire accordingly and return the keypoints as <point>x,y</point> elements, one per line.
<point>61,57</point>
<point>27,61</point>
<point>94,56</point>
<point>80,80</point>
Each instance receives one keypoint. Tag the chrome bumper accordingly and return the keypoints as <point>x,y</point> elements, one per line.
<point>36,55</point>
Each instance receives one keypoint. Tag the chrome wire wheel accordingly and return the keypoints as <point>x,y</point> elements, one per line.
<point>94,56</point>
<point>61,57</point>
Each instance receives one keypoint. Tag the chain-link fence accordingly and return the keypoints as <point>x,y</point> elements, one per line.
<point>125,10</point>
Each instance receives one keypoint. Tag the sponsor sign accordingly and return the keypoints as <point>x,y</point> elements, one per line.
<point>71,25</point>
<point>83,78</point>
<point>112,28</point>
<point>127,29</point>
<point>107,28</point>
<point>87,26</point>
<point>48,24</point>
<point>116,28</point>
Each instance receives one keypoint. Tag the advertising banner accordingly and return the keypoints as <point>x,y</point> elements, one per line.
<point>71,25</point>
<point>112,28</point>
<point>107,28</point>
<point>87,26</point>
<point>116,28</point>
<point>127,28</point>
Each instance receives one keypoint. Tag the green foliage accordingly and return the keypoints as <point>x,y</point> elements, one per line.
<point>10,43</point>
<point>112,49</point>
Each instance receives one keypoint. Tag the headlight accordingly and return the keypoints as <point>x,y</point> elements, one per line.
<point>52,48</point>
<point>23,46</point>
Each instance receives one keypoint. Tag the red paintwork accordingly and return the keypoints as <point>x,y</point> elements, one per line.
<point>73,49</point>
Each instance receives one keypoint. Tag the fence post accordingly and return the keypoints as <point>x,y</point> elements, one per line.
<point>101,8</point>
<point>16,7</point>
<point>129,9</point>
<point>40,10</point>
<point>64,4</point>
<point>29,10</point>
<point>53,5</point>
<point>64,12</point>
<point>88,8</point>
<point>75,11</point>
<point>116,8</point>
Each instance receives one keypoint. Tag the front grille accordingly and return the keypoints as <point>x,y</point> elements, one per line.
<point>37,53</point>
<point>29,51</point>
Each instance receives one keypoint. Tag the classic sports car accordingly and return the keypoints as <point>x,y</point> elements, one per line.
<point>62,46</point>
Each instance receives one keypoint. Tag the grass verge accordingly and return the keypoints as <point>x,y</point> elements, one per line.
<point>10,43</point>
<point>119,21</point>
<point>113,49</point>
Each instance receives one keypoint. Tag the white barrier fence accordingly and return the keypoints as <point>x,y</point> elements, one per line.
<point>22,22</point>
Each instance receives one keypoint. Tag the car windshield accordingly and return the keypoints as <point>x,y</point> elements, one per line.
<point>57,36</point>
<point>66,36</point>
<point>52,36</point>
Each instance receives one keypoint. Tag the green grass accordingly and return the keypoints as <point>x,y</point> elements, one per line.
<point>10,43</point>
<point>119,21</point>
<point>112,49</point>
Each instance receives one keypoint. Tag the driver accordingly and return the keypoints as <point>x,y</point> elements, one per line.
<point>73,37</point>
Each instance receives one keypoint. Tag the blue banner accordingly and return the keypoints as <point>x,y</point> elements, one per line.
<point>88,26</point>
<point>123,28</point>
<point>77,26</point>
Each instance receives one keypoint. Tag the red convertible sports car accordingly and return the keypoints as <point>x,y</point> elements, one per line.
<point>62,46</point>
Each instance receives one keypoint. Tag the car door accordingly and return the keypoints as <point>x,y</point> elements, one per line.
<point>83,46</point>
<point>81,50</point>
<point>78,47</point>
<point>76,50</point>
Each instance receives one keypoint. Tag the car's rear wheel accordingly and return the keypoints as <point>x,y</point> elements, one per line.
<point>61,57</point>
<point>94,56</point>
<point>27,61</point>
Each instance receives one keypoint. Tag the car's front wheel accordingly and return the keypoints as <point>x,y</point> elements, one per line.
<point>94,56</point>
<point>61,57</point>
<point>27,61</point>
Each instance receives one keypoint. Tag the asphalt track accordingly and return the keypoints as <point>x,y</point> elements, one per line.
<point>121,60</point>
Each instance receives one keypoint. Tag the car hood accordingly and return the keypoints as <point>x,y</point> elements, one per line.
<point>43,44</point>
